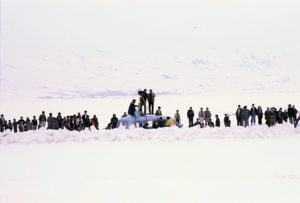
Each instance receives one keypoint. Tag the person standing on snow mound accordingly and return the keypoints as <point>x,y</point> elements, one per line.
<point>145,96</point>
<point>290,113</point>
<point>151,97</point>
<point>131,108</point>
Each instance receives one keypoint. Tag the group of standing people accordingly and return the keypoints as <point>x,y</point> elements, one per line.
<point>74,122</point>
<point>80,122</point>
<point>205,118</point>
<point>272,115</point>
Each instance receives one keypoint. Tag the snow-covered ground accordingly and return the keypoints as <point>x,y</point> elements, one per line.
<point>257,164</point>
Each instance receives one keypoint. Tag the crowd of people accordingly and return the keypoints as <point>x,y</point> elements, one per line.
<point>73,122</point>
<point>80,122</point>
<point>272,115</point>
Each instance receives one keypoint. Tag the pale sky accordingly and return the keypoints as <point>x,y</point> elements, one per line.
<point>41,38</point>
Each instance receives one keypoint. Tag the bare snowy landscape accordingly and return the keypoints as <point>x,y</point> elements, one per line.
<point>70,56</point>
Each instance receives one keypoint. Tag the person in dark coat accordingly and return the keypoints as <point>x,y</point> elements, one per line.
<point>260,114</point>
<point>227,121</point>
<point>197,123</point>
<point>253,113</point>
<point>290,113</point>
<point>131,108</point>
<point>218,123</point>
<point>245,116</point>
<point>42,119</point>
<point>268,117</point>
<point>158,111</point>
<point>21,126</point>
<point>2,123</point>
<point>114,121</point>
<point>34,123</point>
<point>297,121</point>
<point>273,116</point>
<point>27,125</point>
<point>143,100</point>
<point>210,123</point>
<point>59,120</point>
<point>21,120</point>
<point>294,114</point>
<point>155,124</point>
<point>151,99</point>
<point>160,123</point>
<point>9,125</point>
<point>238,115</point>
<point>15,125</point>
<point>50,121</point>
<point>190,115</point>
<point>285,116</point>
<point>146,126</point>
<point>280,116</point>
<point>87,121</point>
<point>95,120</point>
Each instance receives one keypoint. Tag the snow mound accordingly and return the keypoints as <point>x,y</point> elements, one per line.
<point>161,135</point>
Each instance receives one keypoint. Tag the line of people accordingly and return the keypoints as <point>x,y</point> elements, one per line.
<point>272,115</point>
<point>80,122</point>
<point>205,119</point>
<point>74,122</point>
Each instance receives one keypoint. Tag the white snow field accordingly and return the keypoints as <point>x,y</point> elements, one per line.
<point>70,56</point>
<point>256,164</point>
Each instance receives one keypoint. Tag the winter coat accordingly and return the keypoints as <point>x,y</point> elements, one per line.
<point>217,122</point>
<point>290,112</point>
<point>114,121</point>
<point>34,122</point>
<point>151,97</point>
<point>253,111</point>
<point>170,123</point>
<point>295,113</point>
<point>260,113</point>
<point>238,114</point>
<point>207,115</point>
<point>190,114</point>
<point>131,109</point>
<point>268,116</point>
<point>50,122</point>
<point>160,123</point>
<point>158,113</point>
<point>145,96</point>
<point>142,100</point>
<point>245,114</point>
<point>42,118</point>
